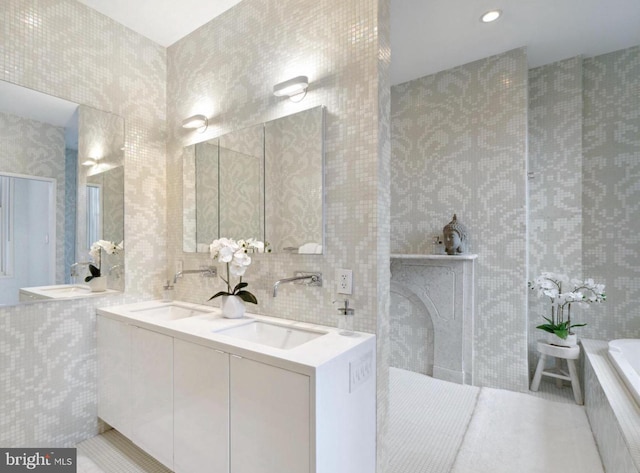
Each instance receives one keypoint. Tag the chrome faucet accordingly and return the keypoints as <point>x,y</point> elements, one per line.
<point>205,271</point>
<point>73,270</point>
<point>116,269</point>
<point>313,279</point>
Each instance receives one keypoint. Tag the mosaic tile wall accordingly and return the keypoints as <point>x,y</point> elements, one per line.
<point>337,45</point>
<point>459,146</point>
<point>611,191</point>
<point>584,116</point>
<point>555,189</point>
<point>65,49</point>
<point>48,384</point>
<point>383,226</point>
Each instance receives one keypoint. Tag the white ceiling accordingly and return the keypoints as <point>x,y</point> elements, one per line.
<point>163,21</point>
<point>428,36</point>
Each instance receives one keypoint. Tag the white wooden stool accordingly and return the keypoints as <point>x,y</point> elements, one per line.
<point>570,354</point>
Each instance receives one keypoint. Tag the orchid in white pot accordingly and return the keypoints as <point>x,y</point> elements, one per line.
<point>580,292</point>
<point>235,254</point>
<point>109,247</point>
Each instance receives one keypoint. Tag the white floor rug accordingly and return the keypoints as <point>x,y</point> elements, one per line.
<point>518,433</point>
<point>427,421</point>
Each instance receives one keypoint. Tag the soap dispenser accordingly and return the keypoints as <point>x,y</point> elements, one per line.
<point>345,319</point>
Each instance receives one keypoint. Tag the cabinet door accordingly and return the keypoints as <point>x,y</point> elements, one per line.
<point>201,409</point>
<point>152,393</point>
<point>269,424</point>
<point>114,373</point>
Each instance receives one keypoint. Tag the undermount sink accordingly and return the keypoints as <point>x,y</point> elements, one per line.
<point>170,311</point>
<point>67,288</point>
<point>277,336</point>
<point>59,291</point>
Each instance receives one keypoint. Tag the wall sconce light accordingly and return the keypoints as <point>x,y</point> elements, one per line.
<point>196,121</point>
<point>491,15</point>
<point>292,88</point>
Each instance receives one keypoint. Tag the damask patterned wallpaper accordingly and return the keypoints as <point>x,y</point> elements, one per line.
<point>458,144</point>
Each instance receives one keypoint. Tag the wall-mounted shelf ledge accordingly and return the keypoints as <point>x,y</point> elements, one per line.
<point>466,256</point>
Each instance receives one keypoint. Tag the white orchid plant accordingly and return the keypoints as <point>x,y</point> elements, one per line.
<point>235,254</point>
<point>95,252</point>
<point>581,293</point>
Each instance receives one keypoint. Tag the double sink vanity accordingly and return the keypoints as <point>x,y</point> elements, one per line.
<point>258,394</point>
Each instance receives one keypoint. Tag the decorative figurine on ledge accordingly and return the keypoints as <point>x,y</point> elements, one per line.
<point>455,237</point>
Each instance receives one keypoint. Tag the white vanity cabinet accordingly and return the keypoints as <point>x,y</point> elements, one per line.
<point>135,385</point>
<point>201,408</point>
<point>269,418</point>
<point>200,403</point>
<point>114,374</point>
<point>235,414</point>
<point>152,393</point>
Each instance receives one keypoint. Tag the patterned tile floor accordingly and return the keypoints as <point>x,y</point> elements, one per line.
<point>449,408</point>
<point>113,453</point>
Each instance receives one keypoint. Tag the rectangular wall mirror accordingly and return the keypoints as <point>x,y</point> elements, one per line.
<point>263,182</point>
<point>61,189</point>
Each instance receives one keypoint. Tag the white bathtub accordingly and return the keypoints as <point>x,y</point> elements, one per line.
<point>625,356</point>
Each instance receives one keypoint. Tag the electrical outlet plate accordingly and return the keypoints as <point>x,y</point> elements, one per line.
<point>344,278</point>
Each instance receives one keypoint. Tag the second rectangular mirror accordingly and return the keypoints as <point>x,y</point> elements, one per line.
<point>263,182</point>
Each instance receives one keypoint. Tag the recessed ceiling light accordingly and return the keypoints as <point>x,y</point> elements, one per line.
<point>491,15</point>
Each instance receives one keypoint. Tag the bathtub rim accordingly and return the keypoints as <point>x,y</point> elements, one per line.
<point>625,370</point>
<point>623,405</point>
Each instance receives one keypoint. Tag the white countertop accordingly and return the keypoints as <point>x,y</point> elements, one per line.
<point>201,329</point>
<point>62,291</point>
<point>463,256</point>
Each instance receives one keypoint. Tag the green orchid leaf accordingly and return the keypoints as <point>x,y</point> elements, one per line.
<point>247,297</point>
<point>239,286</point>
<point>546,328</point>
<point>95,272</point>
<point>221,293</point>
<point>562,333</point>
<point>578,325</point>
<point>88,278</point>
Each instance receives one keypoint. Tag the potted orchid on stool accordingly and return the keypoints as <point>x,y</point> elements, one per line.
<point>235,254</point>
<point>96,281</point>
<point>581,292</point>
